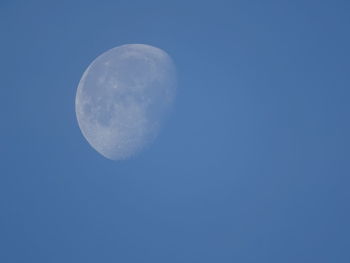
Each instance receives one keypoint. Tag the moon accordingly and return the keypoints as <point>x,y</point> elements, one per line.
<point>123,98</point>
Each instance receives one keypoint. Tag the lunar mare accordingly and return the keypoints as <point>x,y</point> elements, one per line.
<point>123,97</point>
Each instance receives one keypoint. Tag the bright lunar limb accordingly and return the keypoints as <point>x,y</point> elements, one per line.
<point>123,97</point>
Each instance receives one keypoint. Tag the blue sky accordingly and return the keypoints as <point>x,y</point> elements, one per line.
<point>252,165</point>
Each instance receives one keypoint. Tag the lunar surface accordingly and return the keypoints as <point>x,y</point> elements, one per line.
<point>123,97</point>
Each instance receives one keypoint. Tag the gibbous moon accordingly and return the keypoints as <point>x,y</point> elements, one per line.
<point>123,97</point>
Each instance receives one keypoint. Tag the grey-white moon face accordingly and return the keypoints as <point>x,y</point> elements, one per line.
<point>123,97</point>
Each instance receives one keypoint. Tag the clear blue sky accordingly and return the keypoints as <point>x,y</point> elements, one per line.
<point>253,165</point>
